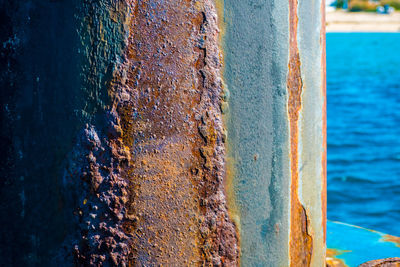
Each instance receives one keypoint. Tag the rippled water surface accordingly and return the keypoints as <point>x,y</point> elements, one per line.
<point>363,92</point>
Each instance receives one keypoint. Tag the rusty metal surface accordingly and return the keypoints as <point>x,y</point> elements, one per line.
<point>301,243</point>
<point>174,133</point>
<point>389,262</point>
<point>276,129</point>
<point>312,123</point>
<point>393,239</point>
<point>332,260</point>
<point>163,177</point>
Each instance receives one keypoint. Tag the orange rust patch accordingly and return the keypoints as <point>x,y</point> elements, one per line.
<point>391,238</point>
<point>332,261</point>
<point>389,262</point>
<point>300,244</point>
<point>167,94</point>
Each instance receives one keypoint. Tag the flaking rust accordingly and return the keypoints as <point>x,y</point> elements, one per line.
<point>391,238</point>
<point>300,242</point>
<point>389,262</point>
<point>166,155</point>
<point>332,260</point>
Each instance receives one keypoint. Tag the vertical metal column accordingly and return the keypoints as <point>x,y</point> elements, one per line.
<point>275,75</point>
<point>174,133</point>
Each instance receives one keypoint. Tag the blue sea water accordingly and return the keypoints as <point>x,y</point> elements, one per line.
<point>363,111</point>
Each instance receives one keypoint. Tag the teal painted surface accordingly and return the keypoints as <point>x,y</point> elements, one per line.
<point>311,143</point>
<point>362,244</point>
<point>256,58</point>
<point>256,72</point>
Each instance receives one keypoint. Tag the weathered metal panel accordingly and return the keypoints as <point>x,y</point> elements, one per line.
<point>176,133</point>
<point>312,123</point>
<point>256,57</point>
<point>40,100</point>
<point>141,177</point>
<point>275,75</point>
<point>163,180</point>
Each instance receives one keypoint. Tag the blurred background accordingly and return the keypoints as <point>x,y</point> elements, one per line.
<point>363,105</point>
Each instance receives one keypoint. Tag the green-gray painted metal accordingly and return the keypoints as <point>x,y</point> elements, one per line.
<point>311,151</point>
<point>258,126</point>
<point>256,69</point>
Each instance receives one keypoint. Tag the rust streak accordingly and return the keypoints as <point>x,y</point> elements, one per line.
<point>300,244</point>
<point>332,261</point>
<point>391,238</point>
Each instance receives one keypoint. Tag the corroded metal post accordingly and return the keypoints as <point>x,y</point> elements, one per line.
<point>175,133</point>
<point>275,73</point>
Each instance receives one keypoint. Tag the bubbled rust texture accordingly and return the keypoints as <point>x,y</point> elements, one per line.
<point>300,243</point>
<point>389,262</point>
<point>149,183</point>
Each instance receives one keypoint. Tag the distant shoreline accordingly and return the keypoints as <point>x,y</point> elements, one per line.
<point>342,21</point>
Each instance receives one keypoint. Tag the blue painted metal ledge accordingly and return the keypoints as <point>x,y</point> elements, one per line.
<point>350,245</point>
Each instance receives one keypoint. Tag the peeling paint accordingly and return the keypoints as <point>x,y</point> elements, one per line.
<point>301,245</point>
<point>332,261</point>
<point>159,134</point>
<point>391,238</point>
